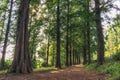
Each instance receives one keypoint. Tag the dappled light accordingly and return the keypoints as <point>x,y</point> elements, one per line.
<point>59,39</point>
<point>71,73</point>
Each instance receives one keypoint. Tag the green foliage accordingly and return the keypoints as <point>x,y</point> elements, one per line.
<point>7,64</point>
<point>112,69</point>
<point>116,56</point>
<point>34,63</point>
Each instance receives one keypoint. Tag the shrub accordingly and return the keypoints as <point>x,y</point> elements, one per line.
<point>7,64</point>
<point>116,56</point>
<point>112,69</point>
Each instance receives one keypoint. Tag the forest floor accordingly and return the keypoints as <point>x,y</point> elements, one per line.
<point>76,72</point>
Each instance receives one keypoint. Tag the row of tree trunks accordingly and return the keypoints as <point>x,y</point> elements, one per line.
<point>71,57</point>
<point>86,47</point>
<point>22,61</point>
<point>76,57</point>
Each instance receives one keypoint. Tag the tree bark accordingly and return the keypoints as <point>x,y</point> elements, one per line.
<point>58,64</point>
<point>22,62</point>
<point>100,36</point>
<point>6,36</point>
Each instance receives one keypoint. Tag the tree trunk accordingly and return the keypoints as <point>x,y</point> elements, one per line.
<point>73,57</point>
<point>70,44</point>
<point>88,43</point>
<point>88,33</point>
<point>58,64</point>
<point>47,53</point>
<point>100,56</point>
<point>21,62</point>
<point>53,56</point>
<point>84,49</point>
<point>67,42</point>
<point>6,37</point>
<point>70,52</point>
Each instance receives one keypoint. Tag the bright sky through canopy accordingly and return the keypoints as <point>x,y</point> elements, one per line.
<point>111,14</point>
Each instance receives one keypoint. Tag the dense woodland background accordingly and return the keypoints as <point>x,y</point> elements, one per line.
<point>60,33</point>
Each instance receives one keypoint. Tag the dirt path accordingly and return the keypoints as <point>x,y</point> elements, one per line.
<point>72,73</point>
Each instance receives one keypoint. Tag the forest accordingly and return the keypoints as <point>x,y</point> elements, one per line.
<point>55,40</point>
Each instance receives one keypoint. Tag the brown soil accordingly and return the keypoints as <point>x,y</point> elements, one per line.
<point>72,73</point>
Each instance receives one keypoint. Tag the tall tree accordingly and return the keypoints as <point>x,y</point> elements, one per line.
<point>88,30</point>
<point>58,64</point>
<point>6,36</point>
<point>67,40</point>
<point>21,62</point>
<point>99,32</point>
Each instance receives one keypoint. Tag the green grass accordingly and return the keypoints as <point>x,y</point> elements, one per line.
<point>3,72</point>
<point>112,69</point>
<point>44,69</point>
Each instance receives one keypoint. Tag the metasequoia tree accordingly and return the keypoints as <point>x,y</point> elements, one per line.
<point>99,32</point>
<point>58,64</point>
<point>21,62</point>
<point>67,30</point>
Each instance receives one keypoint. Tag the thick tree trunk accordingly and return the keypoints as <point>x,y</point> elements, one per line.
<point>99,33</point>
<point>6,37</point>
<point>21,62</point>
<point>58,64</point>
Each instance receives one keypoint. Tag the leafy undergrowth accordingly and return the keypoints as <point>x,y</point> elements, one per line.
<point>112,69</point>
